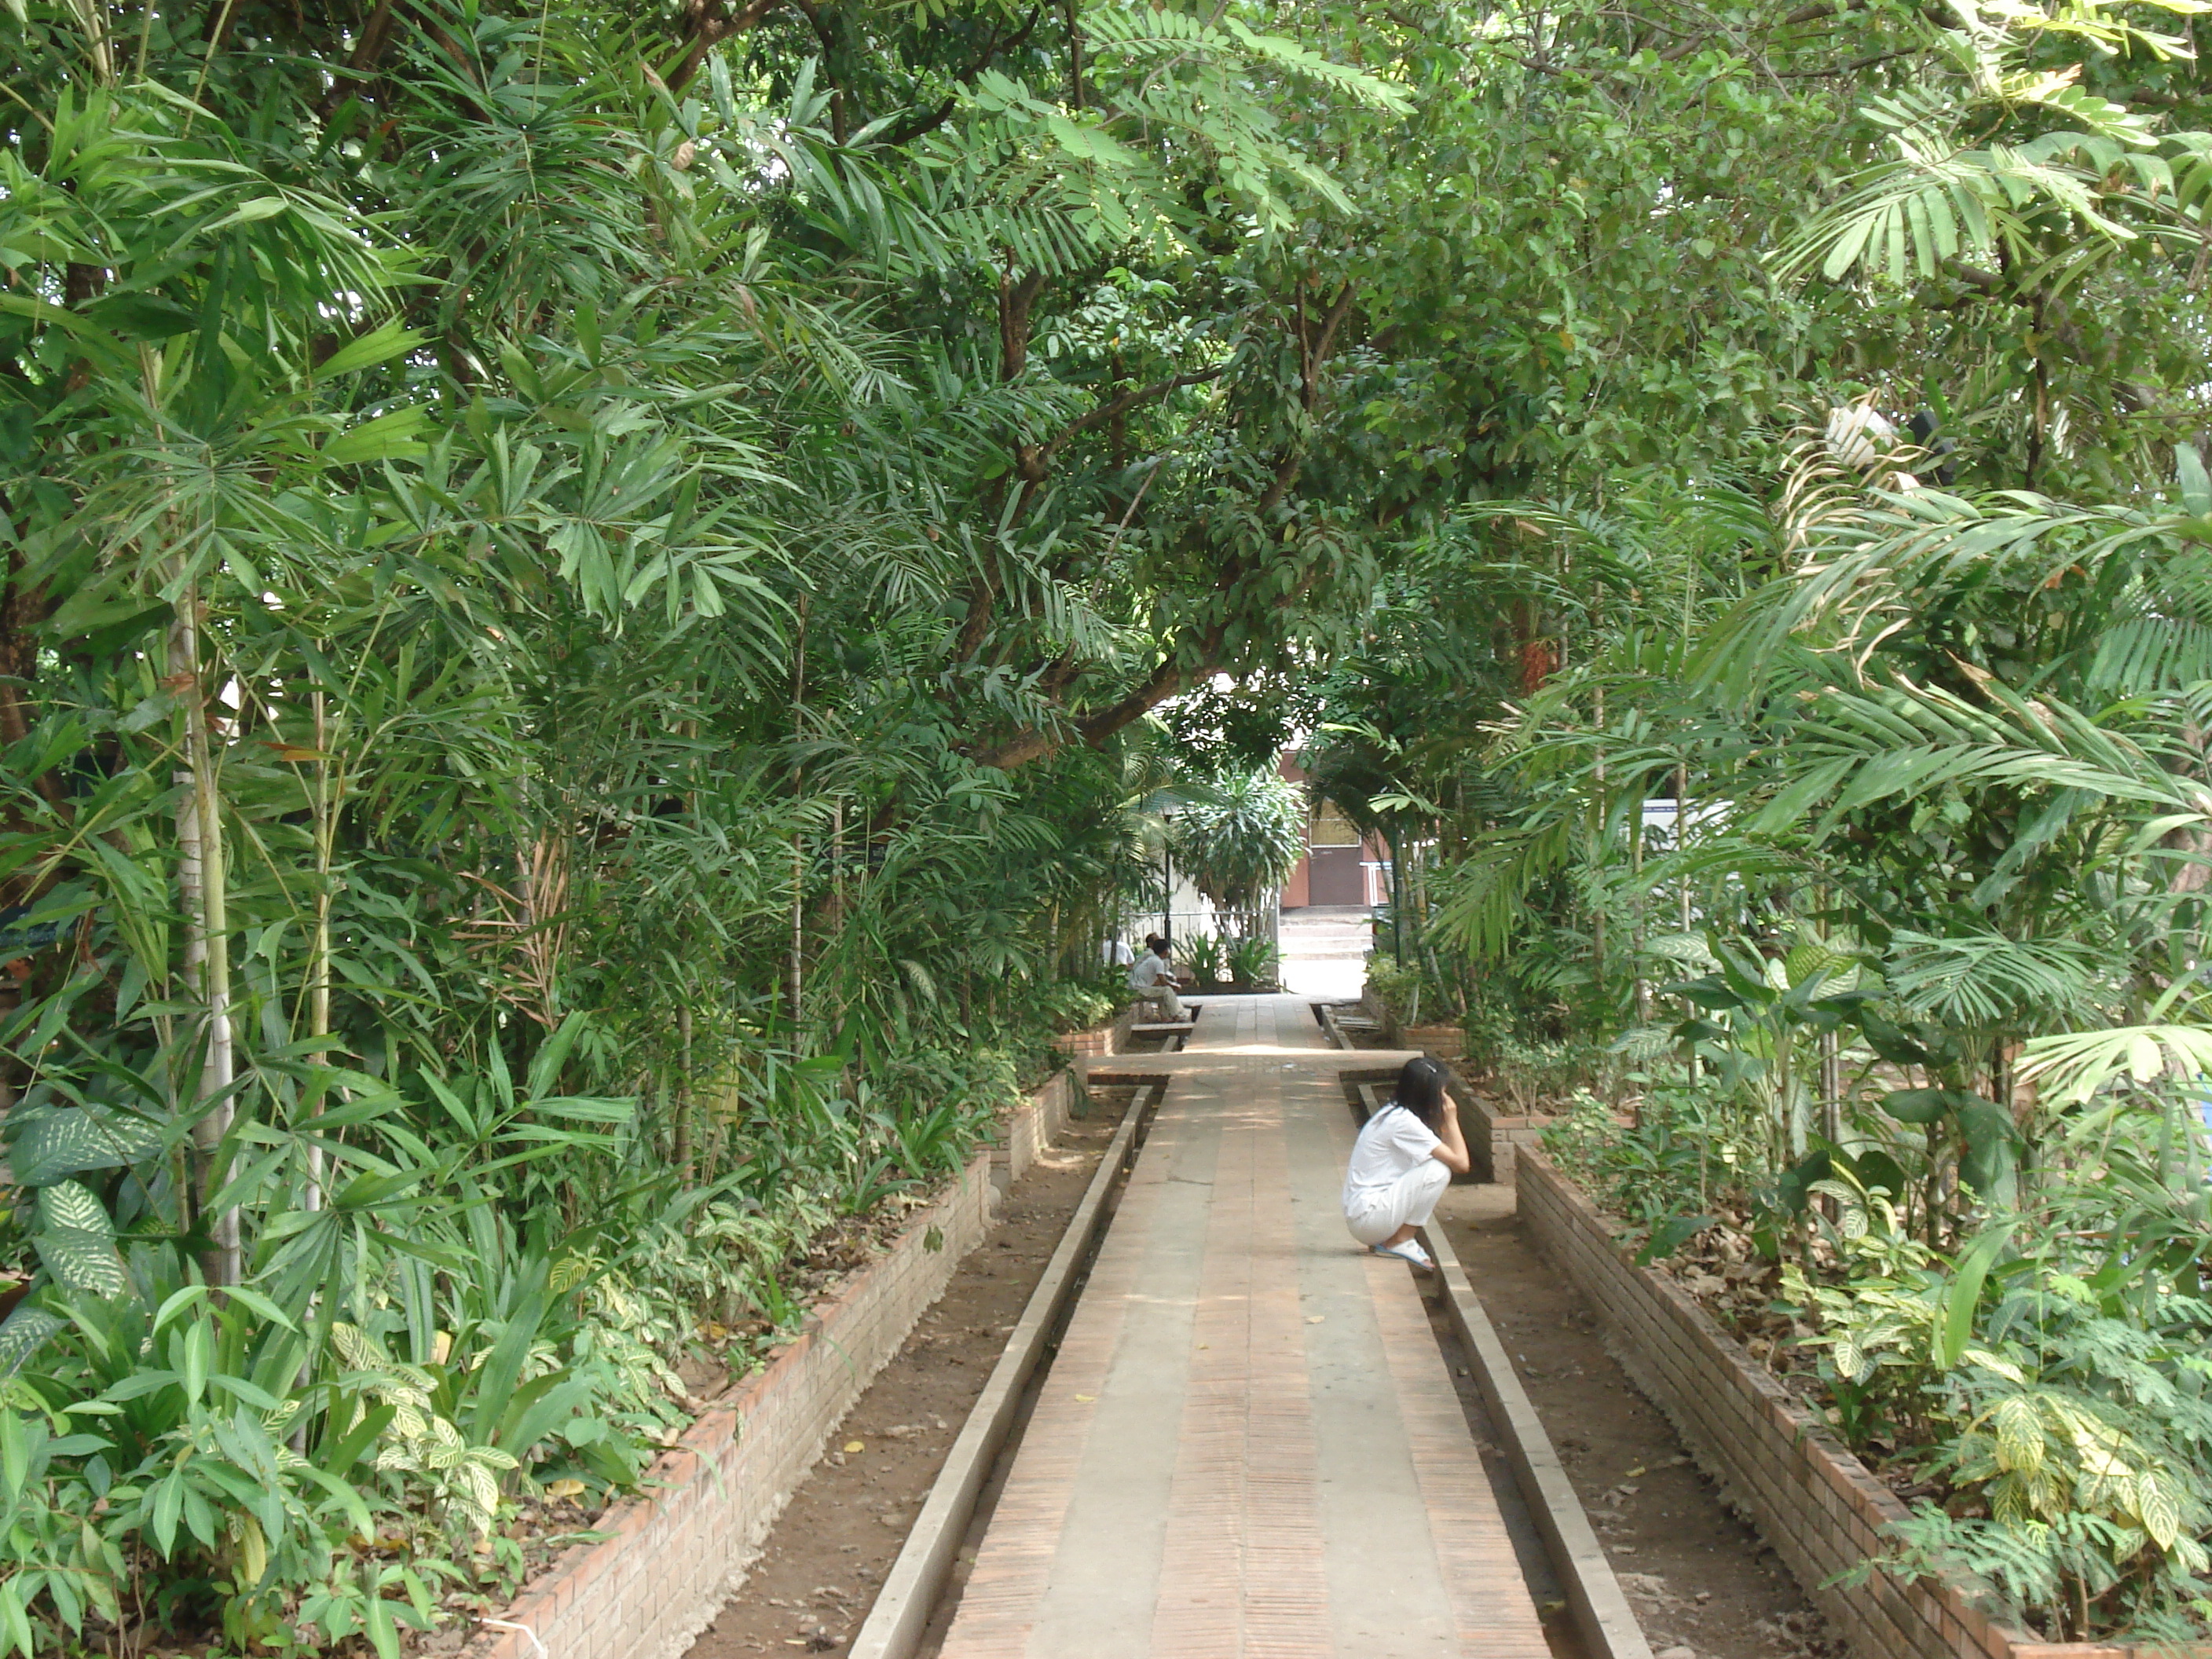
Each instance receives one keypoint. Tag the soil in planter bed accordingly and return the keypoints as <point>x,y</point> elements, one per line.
<point>821,1567</point>
<point>1699,1579</point>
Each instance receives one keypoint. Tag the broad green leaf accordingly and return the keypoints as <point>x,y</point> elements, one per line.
<point>2155,1508</point>
<point>1919,1106</point>
<point>73,1207</point>
<point>24,1333</point>
<point>82,1260</point>
<point>65,1141</point>
<point>1959,1299</point>
<point>168,1508</point>
<point>2018,1435</point>
<point>2196,483</point>
<point>142,316</point>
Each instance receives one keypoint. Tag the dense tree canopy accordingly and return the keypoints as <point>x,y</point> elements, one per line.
<point>595,598</point>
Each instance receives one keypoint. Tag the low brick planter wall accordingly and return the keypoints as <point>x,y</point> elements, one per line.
<point>1096,1042</point>
<point>1818,1506</point>
<point>1092,1042</point>
<point>1440,1041</point>
<point>1445,1041</point>
<point>1123,1028</point>
<point>1506,1136</point>
<point>674,1555</point>
<point>1036,1124</point>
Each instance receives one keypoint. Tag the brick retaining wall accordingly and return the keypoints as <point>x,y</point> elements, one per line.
<point>1501,1137</point>
<point>1445,1043</point>
<point>674,1556</point>
<point>1096,1041</point>
<point>1816,1504</point>
<point>1035,1125</point>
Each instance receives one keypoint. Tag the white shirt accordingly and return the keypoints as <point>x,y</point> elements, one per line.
<point>1391,1142</point>
<point>1150,971</point>
<point>1115,954</point>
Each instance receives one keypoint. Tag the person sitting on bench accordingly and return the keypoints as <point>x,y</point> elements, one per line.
<point>1404,1157</point>
<point>1153,979</point>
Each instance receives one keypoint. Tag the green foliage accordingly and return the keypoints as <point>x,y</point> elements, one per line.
<point>2058,1392</point>
<point>1395,985</point>
<point>1254,961</point>
<point>450,644</point>
<point>1076,1007</point>
<point>1240,838</point>
<point>1683,1154</point>
<point>586,598</point>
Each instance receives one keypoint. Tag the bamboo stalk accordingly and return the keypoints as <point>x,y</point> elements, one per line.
<point>319,994</point>
<point>201,878</point>
<point>683,1088</point>
<point>1599,851</point>
<point>795,969</point>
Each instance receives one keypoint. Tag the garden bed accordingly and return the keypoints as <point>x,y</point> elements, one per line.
<point>1820,1507</point>
<point>667,1560</point>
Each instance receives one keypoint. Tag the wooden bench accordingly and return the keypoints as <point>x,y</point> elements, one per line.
<point>1172,1033</point>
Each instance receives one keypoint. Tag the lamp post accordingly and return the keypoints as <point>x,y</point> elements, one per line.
<point>1167,873</point>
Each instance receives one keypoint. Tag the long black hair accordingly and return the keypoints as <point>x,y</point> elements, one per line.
<point>1421,1090</point>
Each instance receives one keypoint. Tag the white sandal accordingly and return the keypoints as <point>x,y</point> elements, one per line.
<point>1410,1252</point>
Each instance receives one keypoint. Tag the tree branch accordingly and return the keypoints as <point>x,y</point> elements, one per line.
<point>927,123</point>
<point>1851,68</point>
<point>1127,401</point>
<point>1040,741</point>
<point>1319,355</point>
<point>1816,10</point>
<point>1812,12</point>
<point>1200,656</point>
<point>839,125</point>
<point>982,600</point>
<point>1989,283</point>
<point>712,23</point>
<point>1311,359</point>
<point>362,63</point>
<point>1015,300</point>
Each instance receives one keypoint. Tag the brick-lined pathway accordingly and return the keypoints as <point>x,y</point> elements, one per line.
<point>1249,1444</point>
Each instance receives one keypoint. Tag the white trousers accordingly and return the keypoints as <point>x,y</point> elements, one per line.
<point>1375,1212</point>
<point>1163,1001</point>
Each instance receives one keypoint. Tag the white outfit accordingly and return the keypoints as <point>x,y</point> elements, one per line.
<point>1153,982</point>
<point>1393,1178</point>
<point>1115,953</point>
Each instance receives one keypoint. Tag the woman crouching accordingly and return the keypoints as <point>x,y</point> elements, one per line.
<point>1403,1160</point>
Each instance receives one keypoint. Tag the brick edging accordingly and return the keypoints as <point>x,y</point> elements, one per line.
<point>1035,1125</point>
<point>673,1555</point>
<point>1095,1041</point>
<point>1817,1505</point>
<point>1502,1137</point>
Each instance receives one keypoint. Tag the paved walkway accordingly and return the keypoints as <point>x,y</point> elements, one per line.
<point>1325,950</point>
<point>1248,1443</point>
